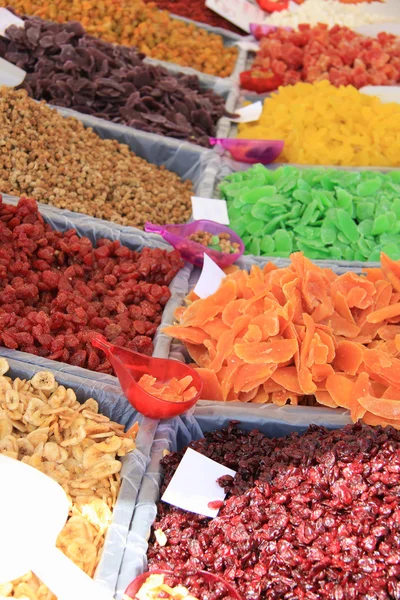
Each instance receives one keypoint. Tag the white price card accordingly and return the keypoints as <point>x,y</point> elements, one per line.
<point>249,113</point>
<point>210,278</point>
<point>239,12</point>
<point>210,209</point>
<point>194,484</point>
<point>6,19</point>
<point>10,75</point>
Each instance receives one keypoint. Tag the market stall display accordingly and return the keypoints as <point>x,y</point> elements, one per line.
<point>325,213</point>
<point>133,23</point>
<point>325,125</point>
<point>57,160</point>
<point>303,516</point>
<point>299,333</point>
<point>67,67</point>
<point>58,289</point>
<point>337,54</point>
<point>43,424</point>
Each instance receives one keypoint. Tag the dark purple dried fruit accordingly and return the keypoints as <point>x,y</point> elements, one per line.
<point>66,67</point>
<point>311,517</point>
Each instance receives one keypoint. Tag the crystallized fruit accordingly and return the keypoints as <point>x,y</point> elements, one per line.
<point>221,242</point>
<point>339,55</point>
<point>133,23</point>
<point>67,67</point>
<point>57,289</point>
<point>325,125</point>
<point>43,425</point>
<point>58,161</point>
<point>310,517</point>
<point>325,213</point>
<point>297,333</point>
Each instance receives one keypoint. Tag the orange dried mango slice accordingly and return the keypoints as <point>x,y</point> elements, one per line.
<point>341,389</point>
<point>174,390</point>
<point>348,357</point>
<point>391,270</point>
<point>323,397</point>
<point>383,314</point>
<point>288,379</point>
<point>385,408</point>
<point>275,352</point>
<point>193,335</point>
<point>232,311</point>
<point>211,386</point>
<point>249,377</point>
<point>206,309</point>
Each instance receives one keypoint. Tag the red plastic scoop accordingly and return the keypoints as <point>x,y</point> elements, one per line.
<point>130,366</point>
<point>210,578</point>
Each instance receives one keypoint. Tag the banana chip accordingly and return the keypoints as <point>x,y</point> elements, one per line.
<point>44,425</point>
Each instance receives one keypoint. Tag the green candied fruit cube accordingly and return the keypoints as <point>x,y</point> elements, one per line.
<point>363,248</point>
<point>267,245</point>
<point>392,250</point>
<point>328,232</point>
<point>246,209</point>
<point>261,211</point>
<point>253,196</point>
<point>311,233</point>
<point>272,225</point>
<point>303,196</point>
<point>324,199</point>
<point>234,213</point>
<point>390,238</point>
<point>396,207</point>
<point>295,211</point>
<point>254,228</point>
<point>308,213</point>
<point>365,210</point>
<point>215,240</point>
<point>283,241</point>
<point>240,225</point>
<point>365,227</point>
<point>327,183</point>
<point>246,240</point>
<point>381,225</point>
<point>315,244</point>
<point>359,256</point>
<point>394,176</point>
<point>375,255</point>
<point>344,200</point>
<point>369,187</point>
<point>254,247</point>
<point>216,247</point>
<point>346,225</point>
<point>342,238</point>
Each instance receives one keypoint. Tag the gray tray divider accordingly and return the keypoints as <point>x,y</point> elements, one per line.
<point>175,434</point>
<point>114,405</point>
<point>135,239</point>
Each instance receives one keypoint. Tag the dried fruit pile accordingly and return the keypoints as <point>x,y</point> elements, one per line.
<point>285,334</point>
<point>325,125</point>
<point>325,213</point>
<point>67,67</point>
<point>339,55</point>
<point>56,289</point>
<point>195,10</point>
<point>134,23</point>
<point>332,13</point>
<point>57,161</point>
<point>181,586</point>
<point>43,425</point>
<point>175,390</point>
<point>311,517</point>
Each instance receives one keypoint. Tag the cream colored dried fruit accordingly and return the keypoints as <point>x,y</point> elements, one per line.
<point>44,425</point>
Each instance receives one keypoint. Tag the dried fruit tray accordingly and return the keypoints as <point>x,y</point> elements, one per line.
<point>225,33</point>
<point>134,239</point>
<point>113,405</point>
<point>185,159</point>
<point>173,435</point>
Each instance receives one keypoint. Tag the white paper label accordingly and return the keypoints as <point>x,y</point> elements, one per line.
<point>249,113</point>
<point>194,484</point>
<point>10,75</point>
<point>210,209</point>
<point>210,278</point>
<point>7,19</point>
<point>239,12</point>
<point>385,93</point>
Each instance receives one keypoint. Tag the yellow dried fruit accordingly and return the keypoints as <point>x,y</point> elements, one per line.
<point>325,125</point>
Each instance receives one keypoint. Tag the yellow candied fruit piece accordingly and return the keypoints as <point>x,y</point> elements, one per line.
<point>134,23</point>
<point>325,125</point>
